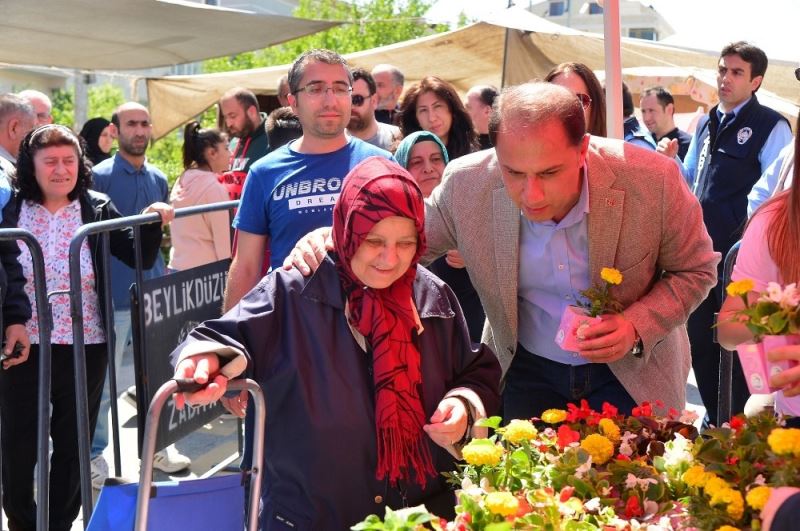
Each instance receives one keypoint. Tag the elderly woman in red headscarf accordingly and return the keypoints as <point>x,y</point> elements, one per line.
<point>370,379</point>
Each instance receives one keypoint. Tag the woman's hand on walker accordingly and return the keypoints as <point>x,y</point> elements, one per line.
<point>199,368</point>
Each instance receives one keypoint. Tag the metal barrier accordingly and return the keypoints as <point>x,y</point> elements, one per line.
<point>43,409</point>
<point>103,228</point>
<point>725,389</point>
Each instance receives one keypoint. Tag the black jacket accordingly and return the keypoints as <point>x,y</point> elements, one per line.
<point>16,306</point>
<point>96,206</point>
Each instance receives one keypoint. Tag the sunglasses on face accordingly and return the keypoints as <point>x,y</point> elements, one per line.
<point>585,99</point>
<point>358,100</point>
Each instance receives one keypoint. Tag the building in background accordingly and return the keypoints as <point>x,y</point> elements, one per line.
<point>638,19</point>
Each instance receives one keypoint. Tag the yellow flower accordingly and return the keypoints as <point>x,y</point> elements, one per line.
<point>611,275</point>
<point>740,287</point>
<point>478,452</point>
<point>554,416</point>
<point>610,430</point>
<point>735,505</point>
<point>757,497</point>
<point>518,431</point>
<point>714,487</point>
<point>599,447</point>
<point>502,503</point>
<point>696,476</point>
<point>729,497</point>
<point>727,528</point>
<point>785,441</point>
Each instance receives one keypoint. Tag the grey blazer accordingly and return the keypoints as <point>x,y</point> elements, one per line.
<point>643,220</point>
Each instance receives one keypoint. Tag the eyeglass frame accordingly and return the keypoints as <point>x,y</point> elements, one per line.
<point>325,89</point>
<point>363,99</point>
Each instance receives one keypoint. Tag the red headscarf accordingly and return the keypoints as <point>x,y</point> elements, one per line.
<point>375,189</point>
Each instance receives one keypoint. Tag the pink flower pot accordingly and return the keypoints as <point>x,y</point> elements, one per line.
<point>773,342</point>
<point>754,365</point>
<point>570,330</point>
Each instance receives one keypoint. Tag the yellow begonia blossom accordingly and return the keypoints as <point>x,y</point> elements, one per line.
<point>478,453</point>
<point>785,441</point>
<point>599,447</point>
<point>715,485</point>
<point>609,428</point>
<point>696,476</point>
<point>611,275</point>
<point>554,416</point>
<point>502,503</point>
<point>735,504</point>
<point>727,528</point>
<point>740,287</point>
<point>518,431</point>
<point>757,497</point>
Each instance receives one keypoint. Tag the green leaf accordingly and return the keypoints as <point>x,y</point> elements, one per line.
<point>491,422</point>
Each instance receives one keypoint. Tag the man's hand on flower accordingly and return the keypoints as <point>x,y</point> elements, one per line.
<point>200,368</point>
<point>608,340</point>
<point>448,423</point>
<point>789,380</point>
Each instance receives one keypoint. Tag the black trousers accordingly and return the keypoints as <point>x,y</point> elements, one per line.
<point>705,359</point>
<point>535,384</point>
<point>18,413</point>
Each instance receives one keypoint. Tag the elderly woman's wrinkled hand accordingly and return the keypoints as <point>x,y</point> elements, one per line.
<point>309,252</point>
<point>448,423</point>
<point>164,210</point>
<point>200,368</point>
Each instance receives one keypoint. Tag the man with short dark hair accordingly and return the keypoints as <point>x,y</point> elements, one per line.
<point>732,146</point>
<point>244,122</point>
<point>283,91</point>
<point>480,99</point>
<point>282,127</point>
<point>389,81</point>
<point>41,105</point>
<point>132,183</point>
<point>362,123</point>
<point>632,129</point>
<point>17,119</point>
<point>658,109</point>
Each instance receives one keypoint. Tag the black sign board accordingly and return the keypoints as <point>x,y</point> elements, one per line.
<point>168,308</point>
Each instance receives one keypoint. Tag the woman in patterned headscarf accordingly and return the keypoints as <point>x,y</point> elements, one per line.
<point>367,365</point>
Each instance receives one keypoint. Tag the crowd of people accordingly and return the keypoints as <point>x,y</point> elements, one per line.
<point>372,365</point>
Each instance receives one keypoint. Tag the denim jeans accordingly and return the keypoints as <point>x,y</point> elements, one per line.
<point>535,384</point>
<point>122,330</point>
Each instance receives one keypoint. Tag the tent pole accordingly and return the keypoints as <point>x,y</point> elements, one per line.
<point>611,40</point>
<point>505,53</point>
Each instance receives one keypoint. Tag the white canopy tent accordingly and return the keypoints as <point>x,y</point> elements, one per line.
<point>135,34</point>
<point>467,56</point>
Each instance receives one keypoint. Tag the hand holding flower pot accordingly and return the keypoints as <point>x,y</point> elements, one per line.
<point>597,300</point>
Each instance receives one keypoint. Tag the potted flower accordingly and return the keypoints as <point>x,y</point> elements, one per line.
<point>774,321</point>
<point>595,301</point>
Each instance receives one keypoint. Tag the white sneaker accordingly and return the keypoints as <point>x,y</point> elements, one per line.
<point>169,460</point>
<point>99,469</point>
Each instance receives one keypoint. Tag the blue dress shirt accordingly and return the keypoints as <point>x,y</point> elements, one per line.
<point>553,270</point>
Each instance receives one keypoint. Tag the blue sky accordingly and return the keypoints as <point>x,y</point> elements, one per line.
<point>710,24</point>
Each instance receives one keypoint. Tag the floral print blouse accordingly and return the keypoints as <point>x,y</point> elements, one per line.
<point>54,231</point>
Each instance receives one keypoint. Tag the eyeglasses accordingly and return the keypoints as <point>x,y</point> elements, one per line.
<point>358,100</point>
<point>316,89</point>
<point>585,99</point>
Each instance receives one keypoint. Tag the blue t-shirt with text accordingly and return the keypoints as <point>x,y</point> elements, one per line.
<point>288,194</point>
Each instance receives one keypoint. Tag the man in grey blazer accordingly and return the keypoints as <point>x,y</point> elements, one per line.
<point>536,220</point>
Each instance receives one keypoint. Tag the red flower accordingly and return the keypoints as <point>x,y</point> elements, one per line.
<point>732,460</point>
<point>673,413</point>
<point>737,423</point>
<point>567,436</point>
<point>566,494</point>
<point>659,404</point>
<point>622,457</point>
<point>523,508</point>
<point>645,410</point>
<point>575,413</point>
<point>609,411</point>
<point>633,508</point>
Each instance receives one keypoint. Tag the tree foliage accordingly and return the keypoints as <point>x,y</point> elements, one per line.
<point>369,25</point>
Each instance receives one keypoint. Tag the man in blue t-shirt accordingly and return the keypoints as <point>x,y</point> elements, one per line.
<point>292,190</point>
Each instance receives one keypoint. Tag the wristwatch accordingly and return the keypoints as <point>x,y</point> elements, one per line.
<point>638,346</point>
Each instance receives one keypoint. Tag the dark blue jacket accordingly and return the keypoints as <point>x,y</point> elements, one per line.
<point>320,451</point>
<point>16,306</point>
<point>728,167</point>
